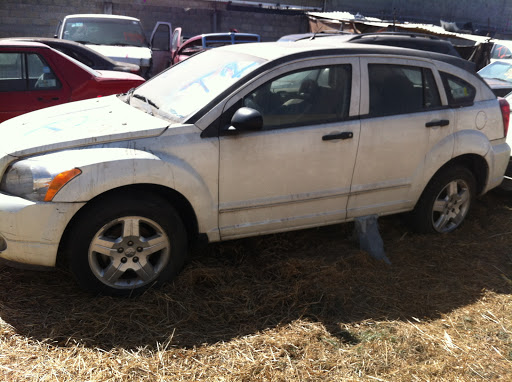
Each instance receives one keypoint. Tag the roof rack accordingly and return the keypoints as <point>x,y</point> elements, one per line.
<point>409,34</point>
<point>327,32</point>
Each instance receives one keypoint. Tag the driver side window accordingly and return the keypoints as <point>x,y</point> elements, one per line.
<point>307,97</point>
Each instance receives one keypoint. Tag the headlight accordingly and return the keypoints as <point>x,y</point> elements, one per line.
<point>32,180</point>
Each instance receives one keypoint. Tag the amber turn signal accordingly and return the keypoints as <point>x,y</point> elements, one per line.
<point>60,181</point>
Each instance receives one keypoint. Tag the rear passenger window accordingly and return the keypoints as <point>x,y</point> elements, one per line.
<point>398,89</point>
<point>41,76</point>
<point>22,72</point>
<point>459,92</point>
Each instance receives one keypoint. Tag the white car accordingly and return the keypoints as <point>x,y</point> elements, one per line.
<point>246,140</point>
<point>507,179</point>
<point>121,38</point>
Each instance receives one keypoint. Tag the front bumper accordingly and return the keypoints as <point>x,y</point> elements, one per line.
<point>31,231</point>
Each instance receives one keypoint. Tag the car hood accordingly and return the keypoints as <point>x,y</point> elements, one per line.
<point>75,124</point>
<point>132,54</point>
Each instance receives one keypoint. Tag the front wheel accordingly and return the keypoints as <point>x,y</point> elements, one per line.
<point>124,245</point>
<point>445,202</point>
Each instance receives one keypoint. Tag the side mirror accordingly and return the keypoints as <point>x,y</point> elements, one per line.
<point>247,119</point>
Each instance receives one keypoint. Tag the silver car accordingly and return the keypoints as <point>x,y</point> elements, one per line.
<point>241,141</point>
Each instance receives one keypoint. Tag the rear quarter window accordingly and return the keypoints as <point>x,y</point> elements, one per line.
<point>458,91</point>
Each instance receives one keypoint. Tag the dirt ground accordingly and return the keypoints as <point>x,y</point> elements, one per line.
<point>299,306</point>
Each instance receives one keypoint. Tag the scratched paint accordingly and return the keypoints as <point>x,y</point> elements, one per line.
<point>76,124</point>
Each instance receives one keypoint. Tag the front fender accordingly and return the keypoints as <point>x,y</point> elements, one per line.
<point>105,169</point>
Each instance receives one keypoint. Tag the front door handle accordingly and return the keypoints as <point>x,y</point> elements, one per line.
<point>333,136</point>
<point>442,122</point>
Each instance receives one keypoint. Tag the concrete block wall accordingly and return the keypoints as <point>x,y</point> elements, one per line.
<point>496,14</point>
<point>41,17</point>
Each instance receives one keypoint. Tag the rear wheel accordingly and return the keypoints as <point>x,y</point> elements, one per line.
<point>445,202</point>
<point>124,245</point>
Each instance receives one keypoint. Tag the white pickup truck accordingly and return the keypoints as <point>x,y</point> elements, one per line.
<point>121,38</point>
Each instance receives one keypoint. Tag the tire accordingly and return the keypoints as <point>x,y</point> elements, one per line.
<point>123,245</point>
<point>445,202</point>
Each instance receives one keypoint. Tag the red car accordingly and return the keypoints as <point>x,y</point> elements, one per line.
<point>183,50</point>
<point>34,76</point>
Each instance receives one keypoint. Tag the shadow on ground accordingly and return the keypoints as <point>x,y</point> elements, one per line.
<point>246,286</point>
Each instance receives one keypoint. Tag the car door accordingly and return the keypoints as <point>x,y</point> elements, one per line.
<point>27,83</point>
<point>404,118</point>
<point>161,47</point>
<point>297,170</point>
<point>47,87</point>
<point>176,43</point>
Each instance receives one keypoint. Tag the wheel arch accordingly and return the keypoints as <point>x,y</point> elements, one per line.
<point>175,199</point>
<point>474,163</point>
<point>445,200</point>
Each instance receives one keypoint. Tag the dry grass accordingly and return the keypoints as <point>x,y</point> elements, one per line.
<point>302,306</point>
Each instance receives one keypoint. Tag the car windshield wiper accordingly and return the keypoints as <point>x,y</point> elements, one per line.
<point>138,96</point>
<point>127,96</point>
<point>148,102</point>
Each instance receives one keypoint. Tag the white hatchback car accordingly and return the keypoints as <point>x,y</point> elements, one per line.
<point>241,141</point>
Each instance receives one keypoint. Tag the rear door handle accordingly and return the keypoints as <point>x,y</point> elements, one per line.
<point>442,122</point>
<point>344,135</point>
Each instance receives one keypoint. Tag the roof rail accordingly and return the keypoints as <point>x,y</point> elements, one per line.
<point>409,34</point>
<point>328,32</point>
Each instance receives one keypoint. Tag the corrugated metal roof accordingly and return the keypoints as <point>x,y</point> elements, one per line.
<point>413,27</point>
<point>343,16</point>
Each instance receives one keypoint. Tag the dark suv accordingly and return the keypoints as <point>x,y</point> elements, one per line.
<point>400,39</point>
<point>407,40</point>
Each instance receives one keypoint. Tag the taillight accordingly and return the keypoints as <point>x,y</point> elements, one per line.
<point>505,113</point>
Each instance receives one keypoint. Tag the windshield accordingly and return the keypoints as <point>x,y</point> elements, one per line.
<point>105,31</point>
<point>497,70</point>
<point>186,88</point>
